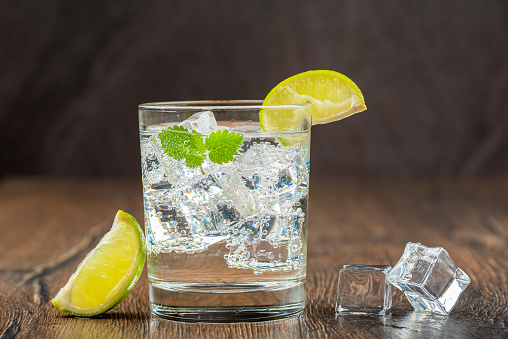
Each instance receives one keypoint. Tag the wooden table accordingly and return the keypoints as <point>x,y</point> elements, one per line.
<point>47,227</point>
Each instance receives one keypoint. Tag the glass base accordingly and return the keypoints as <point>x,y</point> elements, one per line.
<point>225,314</point>
<point>216,306</point>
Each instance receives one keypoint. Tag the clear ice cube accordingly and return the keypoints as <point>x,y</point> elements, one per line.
<point>429,278</point>
<point>167,230</point>
<point>188,218</point>
<point>267,243</point>
<point>212,203</point>
<point>152,169</point>
<point>364,289</point>
<point>158,168</point>
<point>201,122</point>
<point>273,174</point>
<point>235,191</point>
<point>199,202</point>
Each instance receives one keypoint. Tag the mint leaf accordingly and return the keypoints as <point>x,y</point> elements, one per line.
<point>178,143</point>
<point>194,159</point>
<point>174,140</point>
<point>223,145</point>
<point>196,142</point>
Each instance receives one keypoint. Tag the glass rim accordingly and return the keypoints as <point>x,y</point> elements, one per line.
<point>215,104</point>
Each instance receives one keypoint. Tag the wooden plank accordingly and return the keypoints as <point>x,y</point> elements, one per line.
<point>47,227</point>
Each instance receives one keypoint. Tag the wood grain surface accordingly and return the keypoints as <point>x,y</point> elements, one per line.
<point>47,227</point>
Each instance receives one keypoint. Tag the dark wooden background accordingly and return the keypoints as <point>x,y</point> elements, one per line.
<point>434,74</point>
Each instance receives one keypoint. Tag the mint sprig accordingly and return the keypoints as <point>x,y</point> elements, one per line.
<point>193,147</point>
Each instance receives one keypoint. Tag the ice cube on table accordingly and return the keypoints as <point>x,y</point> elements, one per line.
<point>201,122</point>
<point>429,278</point>
<point>364,289</point>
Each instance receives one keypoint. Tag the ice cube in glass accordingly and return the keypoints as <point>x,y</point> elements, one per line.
<point>201,122</point>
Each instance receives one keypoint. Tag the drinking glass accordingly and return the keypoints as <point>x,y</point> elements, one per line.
<point>225,223</point>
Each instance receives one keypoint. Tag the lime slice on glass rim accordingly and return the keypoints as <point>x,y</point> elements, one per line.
<point>332,96</point>
<point>108,273</point>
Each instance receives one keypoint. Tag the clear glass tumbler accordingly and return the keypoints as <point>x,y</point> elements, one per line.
<point>225,194</point>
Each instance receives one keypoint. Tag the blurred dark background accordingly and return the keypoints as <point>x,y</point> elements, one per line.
<point>434,75</point>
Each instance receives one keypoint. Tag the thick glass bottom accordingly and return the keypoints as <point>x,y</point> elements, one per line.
<point>225,314</point>
<point>222,304</point>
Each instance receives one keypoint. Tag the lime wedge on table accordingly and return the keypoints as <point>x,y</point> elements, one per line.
<point>332,96</point>
<point>108,273</point>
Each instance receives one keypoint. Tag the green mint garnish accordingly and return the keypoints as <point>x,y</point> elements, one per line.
<point>177,142</point>
<point>222,146</point>
<point>180,144</point>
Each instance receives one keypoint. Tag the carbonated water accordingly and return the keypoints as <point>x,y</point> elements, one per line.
<point>231,234</point>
